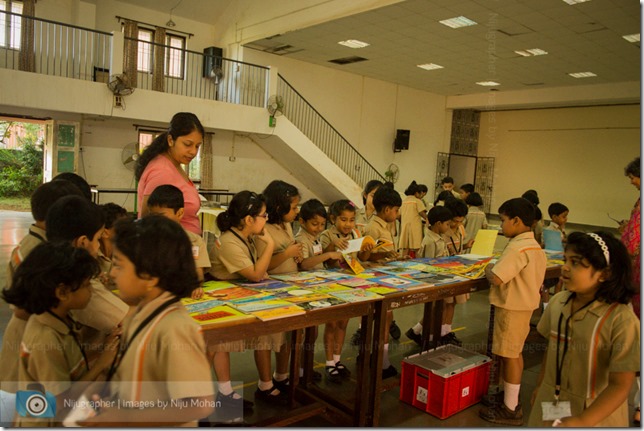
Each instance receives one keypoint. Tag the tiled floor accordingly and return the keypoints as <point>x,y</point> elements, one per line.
<point>470,324</point>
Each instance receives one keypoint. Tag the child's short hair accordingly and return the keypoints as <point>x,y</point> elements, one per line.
<point>312,208</point>
<point>468,188</point>
<point>447,180</point>
<point>444,196</point>
<point>457,206</point>
<point>439,214</point>
<point>279,195</point>
<point>371,185</point>
<point>244,203</point>
<point>49,265</point>
<point>166,196</point>
<point>412,189</point>
<point>633,168</point>
<point>386,197</point>
<point>112,212</point>
<point>474,199</point>
<point>337,207</point>
<point>71,217</point>
<point>422,188</point>
<point>78,181</point>
<point>46,194</point>
<point>618,286</point>
<point>519,207</point>
<point>556,208</point>
<point>159,247</point>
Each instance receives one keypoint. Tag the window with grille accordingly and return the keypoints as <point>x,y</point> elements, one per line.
<point>174,53</point>
<point>10,25</point>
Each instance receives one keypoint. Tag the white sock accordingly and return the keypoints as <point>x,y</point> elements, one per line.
<point>385,357</point>
<point>330,363</point>
<point>417,328</point>
<point>545,304</point>
<point>445,329</point>
<point>280,377</point>
<point>511,396</point>
<point>225,388</point>
<point>264,386</point>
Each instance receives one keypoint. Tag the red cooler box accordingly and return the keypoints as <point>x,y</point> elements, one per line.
<point>445,380</point>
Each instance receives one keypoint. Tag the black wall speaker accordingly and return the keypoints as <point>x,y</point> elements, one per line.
<point>402,140</point>
<point>211,58</point>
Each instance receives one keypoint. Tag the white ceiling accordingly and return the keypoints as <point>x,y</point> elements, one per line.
<point>586,37</point>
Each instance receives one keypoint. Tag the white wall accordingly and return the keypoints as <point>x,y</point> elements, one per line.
<point>575,156</point>
<point>367,113</point>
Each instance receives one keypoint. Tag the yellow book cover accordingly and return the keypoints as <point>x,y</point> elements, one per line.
<point>278,312</point>
<point>219,314</point>
<point>353,263</point>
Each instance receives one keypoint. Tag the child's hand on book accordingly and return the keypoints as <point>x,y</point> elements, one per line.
<point>340,244</point>
<point>197,293</point>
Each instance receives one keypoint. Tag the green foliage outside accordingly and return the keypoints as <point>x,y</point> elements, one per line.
<point>21,170</point>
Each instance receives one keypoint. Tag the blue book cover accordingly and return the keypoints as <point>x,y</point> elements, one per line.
<point>552,239</point>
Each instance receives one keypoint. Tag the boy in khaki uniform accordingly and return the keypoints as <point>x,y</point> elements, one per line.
<point>516,279</point>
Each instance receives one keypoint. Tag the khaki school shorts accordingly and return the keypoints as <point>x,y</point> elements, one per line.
<point>267,342</point>
<point>511,328</point>
<point>459,299</point>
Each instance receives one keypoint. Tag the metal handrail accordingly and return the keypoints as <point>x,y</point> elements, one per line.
<point>310,122</point>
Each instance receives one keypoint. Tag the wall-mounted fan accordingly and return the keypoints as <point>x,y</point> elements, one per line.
<point>120,86</point>
<point>392,172</point>
<point>275,107</point>
<point>216,74</point>
<point>129,155</point>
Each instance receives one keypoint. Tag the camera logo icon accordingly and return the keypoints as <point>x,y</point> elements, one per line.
<point>36,404</point>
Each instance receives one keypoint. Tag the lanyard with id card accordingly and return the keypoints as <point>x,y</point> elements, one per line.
<point>317,248</point>
<point>553,410</point>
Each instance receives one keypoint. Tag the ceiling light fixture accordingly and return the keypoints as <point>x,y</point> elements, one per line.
<point>573,2</point>
<point>457,22</point>
<point>533,52</point>
<point>353,43</point>
<point>170,22</point>
<point>582,74</point>
<point>429,66</point>
<point>487,83</point>
<point>632,37</point>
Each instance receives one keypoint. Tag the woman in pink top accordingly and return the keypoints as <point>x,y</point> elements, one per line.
<point>161,163</point>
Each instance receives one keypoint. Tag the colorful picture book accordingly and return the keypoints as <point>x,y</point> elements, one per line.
<point>321,303</point>
<point>356,295</point>
<point>196,305</point>
<point>268,284</point>
<point>264,304</point>
<point>552,240</point>
<point>330,274</point>
<point>399,282</point>
<point>231,293</point>
<point>437,279</point>
<point>220,314</point>
<point>353,263</point>
<point>329,288</point>
<point>278,312</point>
<point>399,270</point>
<point>216,284</point>
<point>357,282</point>
<point>314,296</point>
<point>300,278</point>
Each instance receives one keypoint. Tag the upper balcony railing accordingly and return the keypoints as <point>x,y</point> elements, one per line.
<point>310,122</point>
<point>50,48</point>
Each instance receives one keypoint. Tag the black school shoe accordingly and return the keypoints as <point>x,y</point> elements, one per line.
<point>491,400</point>
<point>391,371</point>
<point>502,415</point>
<point>394,331</point>
<point>356,338</point>
<point>269,396</point>
<point>283,386</point>
<point>417,338</point>
<point>228,402</point>
<point>450,338</point>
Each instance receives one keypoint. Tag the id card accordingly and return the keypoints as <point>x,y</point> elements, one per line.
<point>317,248</point>
<point>552,411</point>
<point>195,251</point>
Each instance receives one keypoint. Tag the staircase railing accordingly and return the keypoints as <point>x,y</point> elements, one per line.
<point>310,122</point>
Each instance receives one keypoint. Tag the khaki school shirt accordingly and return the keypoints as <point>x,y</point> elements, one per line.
<point>379,229</point>
<point>230,255</point>
<point>309,246</point>
<point>433,245</point>
<point>522,268</point>
<point>604,338</point>
<point>35,236</point>
<point>283,237</point>
<point>328,236</point>
<point>49,355</point>
<point>199,250</point>
<point>166,360</point>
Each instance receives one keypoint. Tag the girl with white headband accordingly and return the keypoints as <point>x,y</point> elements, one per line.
<point>593,338</point>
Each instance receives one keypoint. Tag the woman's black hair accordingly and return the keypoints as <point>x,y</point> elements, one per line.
<point>312,208</point>
<point>48,193</point>
<point>474,199</point>
<point>244,203</point>
<point>633,168</point>
<point>78,181</point>
<point>337,207</point>
<point>279,195</point>
<point>182,124</point>
<point>112,212</point>
<point>159,247</point>
<point>71,217</point>
<point>48,266</point>
<point>457,206</point>
<point>412,189</point>
<point>532,196</point>
<point>618,286</point>
<point>444,196</point>
<point>371,185</point>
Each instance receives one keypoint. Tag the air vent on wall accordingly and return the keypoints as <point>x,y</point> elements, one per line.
<point>348,60</point>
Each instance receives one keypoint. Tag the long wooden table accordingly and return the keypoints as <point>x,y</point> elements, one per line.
<point>366,407</point>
